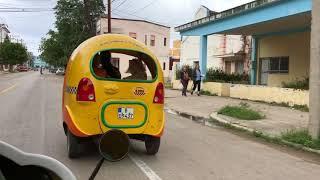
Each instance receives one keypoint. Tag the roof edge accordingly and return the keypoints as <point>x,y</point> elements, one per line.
<point>139,20</point>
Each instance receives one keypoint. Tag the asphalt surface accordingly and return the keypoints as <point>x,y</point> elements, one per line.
<point>30,118</point>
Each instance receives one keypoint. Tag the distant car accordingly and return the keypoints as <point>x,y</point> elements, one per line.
<point>22,69</point>
<point>35,69</point>
<point>60,71</point>
<point>53,70</point>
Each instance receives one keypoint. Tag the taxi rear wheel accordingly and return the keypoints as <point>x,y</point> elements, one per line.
<point>152,144</point>
<point>73,145</point>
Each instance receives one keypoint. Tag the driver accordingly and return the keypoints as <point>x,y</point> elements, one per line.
<point>111,71</point>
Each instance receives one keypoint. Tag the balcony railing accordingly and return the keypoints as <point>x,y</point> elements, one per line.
<point>223,14</point>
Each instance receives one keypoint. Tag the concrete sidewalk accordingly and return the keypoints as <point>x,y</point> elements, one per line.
<point>278,119</point>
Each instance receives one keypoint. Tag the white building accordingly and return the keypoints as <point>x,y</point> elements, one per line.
<point>227,52</point>
<point>153,35</point>
<point>4,32</point>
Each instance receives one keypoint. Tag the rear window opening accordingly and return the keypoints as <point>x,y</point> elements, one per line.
<point>123,65</point>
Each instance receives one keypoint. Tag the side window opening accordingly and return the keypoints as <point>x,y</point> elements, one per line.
<point>125,65</point>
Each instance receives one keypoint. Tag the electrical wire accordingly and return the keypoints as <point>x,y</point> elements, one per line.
<point>119,5</point>
<point>146,6</point>
<point>142,18</point>
<point>144,27</point>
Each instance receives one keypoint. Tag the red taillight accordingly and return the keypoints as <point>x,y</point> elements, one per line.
<point>159,94</point>
<point>85,91</point>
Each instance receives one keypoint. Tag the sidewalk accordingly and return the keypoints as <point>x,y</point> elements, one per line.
<point>278,119</point>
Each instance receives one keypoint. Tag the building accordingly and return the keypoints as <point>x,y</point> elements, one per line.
<point>4,32</point>
<point>38,62</point>
<point>227,52</point>
<point>285,46</point>
<point>281,37</point>
<point>154,36</point>
<point>175,52</point>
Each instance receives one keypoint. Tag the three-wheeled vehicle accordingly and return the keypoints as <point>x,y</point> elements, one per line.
<point>113,81</point>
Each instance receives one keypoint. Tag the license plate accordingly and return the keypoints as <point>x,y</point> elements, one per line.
<point>125,113</point>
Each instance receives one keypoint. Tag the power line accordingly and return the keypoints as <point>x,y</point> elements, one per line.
<point>152,2</point>
<point>120,4</point>
<point>27,10</point>
<point>146,19</point>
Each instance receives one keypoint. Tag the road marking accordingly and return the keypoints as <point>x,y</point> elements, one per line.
<point>8,89</point>
<point>144,168</point>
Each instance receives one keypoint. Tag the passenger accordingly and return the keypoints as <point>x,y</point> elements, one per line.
<point>137,70</point>
<point>111,71</point>
<point>98,68</point>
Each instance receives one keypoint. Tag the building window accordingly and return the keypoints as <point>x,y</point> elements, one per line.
<point>133,35</point>
<point>165,41</point>
<point>152,40</point>
<point>239,67</point>
<point>164,65</point>
<point>146,39</point>
<point>279,65</point>
<point>227,67</point>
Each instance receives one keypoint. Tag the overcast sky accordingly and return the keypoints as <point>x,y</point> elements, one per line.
<point>31,26</point>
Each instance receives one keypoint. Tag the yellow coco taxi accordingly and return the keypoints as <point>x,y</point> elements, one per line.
<point>113,82</point>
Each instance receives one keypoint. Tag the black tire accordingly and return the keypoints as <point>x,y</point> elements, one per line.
<point>152,145</point>
<point>73,146</point>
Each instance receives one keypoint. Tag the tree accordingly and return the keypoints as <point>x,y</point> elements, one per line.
<point>75,22</point>
<point>12,53</point>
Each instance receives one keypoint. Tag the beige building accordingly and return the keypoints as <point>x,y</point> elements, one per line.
<point>155,36</point>
<point>283,58</point>
<point>227,52</point>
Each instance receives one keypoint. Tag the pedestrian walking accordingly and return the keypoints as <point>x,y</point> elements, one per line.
<point>196,75</point>
<point>184,79</point>
<point>41,70</point>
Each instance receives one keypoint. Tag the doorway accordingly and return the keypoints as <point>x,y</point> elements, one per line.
<point>264,71</point>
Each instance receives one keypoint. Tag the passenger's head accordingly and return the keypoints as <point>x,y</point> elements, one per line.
<point>184,68</point>
<point>196,66</point>
<point>96,61</point>
<point>136,66</point>
<point>106,59</point>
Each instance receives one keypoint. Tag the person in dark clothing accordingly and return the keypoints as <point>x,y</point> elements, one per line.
<point>112,72</point>
<point>184,79</point>
<point>196,75</point>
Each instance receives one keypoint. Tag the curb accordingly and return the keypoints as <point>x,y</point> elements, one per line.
<point>187,115</point>
<point>214,116</point>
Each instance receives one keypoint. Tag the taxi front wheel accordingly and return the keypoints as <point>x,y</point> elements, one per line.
<point>73,145</point>
<point>152,144</point>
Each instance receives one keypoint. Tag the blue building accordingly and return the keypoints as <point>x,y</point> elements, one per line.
<point>280,30</point>
<point>38,62</point>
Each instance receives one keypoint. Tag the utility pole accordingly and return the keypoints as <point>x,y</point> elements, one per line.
<point>314,97</point>
<point>109,16</point>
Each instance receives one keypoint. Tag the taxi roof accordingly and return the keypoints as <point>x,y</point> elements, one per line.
<point>110,42</point>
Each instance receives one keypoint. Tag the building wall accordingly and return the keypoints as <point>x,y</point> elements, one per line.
<point>4,32</point>
<point>175,50</point>
<point>142,29</point>
<point>294,45</point>
<point>254,93</point>
<point>190,50</point>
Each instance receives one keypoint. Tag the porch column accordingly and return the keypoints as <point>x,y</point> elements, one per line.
<point>253,70</point>
<point>203,53</point>
<point>314,96</point>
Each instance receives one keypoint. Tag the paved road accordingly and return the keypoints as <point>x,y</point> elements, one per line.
<point>30,118</point>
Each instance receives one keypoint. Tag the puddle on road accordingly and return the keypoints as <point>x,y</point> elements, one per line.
<point>201,120</point>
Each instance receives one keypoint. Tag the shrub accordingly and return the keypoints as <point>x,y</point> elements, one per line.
<point>218,75</point>
<point>240,112</point>
<point>207,93</point>
<point>297,84</point>
<point>301,137</point>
